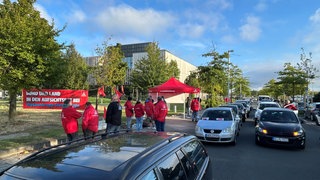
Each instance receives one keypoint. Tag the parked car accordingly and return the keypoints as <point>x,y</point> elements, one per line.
<point>280,126</point>
<point>243,111</point>
<point>246,104</point>
<point>261,106</point>
<point>236,110</point>
<point>313,112</point>
<point>218,124</point>
<point>141,155</point>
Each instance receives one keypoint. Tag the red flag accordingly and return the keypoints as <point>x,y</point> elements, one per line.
<point>101,91</point>
<point>119,94</point>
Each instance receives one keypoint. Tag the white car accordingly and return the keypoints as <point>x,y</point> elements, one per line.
<point>218,124</point>
<point>261,106</point>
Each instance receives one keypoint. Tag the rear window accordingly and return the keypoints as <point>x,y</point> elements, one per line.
<point>262,106</point>
<point>196,154</point>
<point>217,115</point>
<point>279,116</point>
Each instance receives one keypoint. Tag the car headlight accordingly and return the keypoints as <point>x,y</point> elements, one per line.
<point>227,130</point>
<point>298,133</point>
<point>261,130</point>
<point>198,128</point>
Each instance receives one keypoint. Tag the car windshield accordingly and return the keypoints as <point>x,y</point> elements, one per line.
<point>234,108</point>
<point>279,116</point>
<point>262,106</point>
<point>217,115</point>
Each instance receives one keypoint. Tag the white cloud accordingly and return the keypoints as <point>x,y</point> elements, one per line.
<point>77,16</point>
<point>250,31</point>
<point>316,17</point>
<point>124,19</point>
<point>43,12</point>
<point>261,6</point>
<point>191,30</point>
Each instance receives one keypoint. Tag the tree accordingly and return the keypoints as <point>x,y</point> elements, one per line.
<point>152,70</point>
<point>273,89</point>
<point>292,79</point>
<point>27,46</point>
<point>76,70</point>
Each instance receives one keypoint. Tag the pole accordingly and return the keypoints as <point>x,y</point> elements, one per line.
<point>229,98</point>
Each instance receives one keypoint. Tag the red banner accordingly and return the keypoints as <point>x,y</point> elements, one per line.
<point>53,98</point>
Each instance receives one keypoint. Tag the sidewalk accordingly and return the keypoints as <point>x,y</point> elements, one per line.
<point>27,149</point>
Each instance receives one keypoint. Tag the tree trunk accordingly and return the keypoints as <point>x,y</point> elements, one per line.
<point>12,106</point>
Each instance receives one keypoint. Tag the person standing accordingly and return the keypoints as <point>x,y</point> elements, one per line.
<point>188,106</point>
<point>69,120</point>
<point>129,112</point>
<point>139,113</point>
<point>149,108</point>
<point>113,115</point>
<point>195,107</point>
<point>160,113</point>
<point>90,121</point>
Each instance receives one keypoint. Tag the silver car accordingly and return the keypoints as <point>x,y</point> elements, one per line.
<point>218,124</point>
<point>261,106</point>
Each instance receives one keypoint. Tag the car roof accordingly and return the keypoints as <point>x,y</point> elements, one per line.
<point>276,109</point>
<point>114,156</point>
<point>268,102</point>
<point>218,108</point>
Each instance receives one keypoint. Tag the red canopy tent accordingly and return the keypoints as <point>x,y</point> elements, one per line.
<point>173,87</point>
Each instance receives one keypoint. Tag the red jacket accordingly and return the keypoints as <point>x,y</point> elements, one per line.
<point>129,108</point>
<point>290,106</point>
<point>149,107</point>
<point>195,105</point>
<point>69,117</point>
<point>160,111</point>
<point>90,119</point>
<point>138,110</point>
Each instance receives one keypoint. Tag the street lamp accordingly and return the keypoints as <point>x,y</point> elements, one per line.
<point>229,98</point>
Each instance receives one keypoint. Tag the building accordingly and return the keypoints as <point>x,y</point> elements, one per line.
<point>135,52</point>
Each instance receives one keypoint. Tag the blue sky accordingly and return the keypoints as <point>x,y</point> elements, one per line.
<point>264,34</point>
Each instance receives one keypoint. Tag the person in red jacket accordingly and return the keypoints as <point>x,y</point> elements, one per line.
<point>69,116</point>
<point>160,113</point>
<point>195,107</point>
<point>90,121</point>
<point>139,113</point>
<point>149,108</point>
<point>129,112</point>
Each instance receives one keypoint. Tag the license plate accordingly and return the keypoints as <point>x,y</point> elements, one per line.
<point>212,135</point>
<point>280,139</point>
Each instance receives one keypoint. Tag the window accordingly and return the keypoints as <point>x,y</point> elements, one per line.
<point>151,175</point>
<point>172,169</point>
<point>196,154</point>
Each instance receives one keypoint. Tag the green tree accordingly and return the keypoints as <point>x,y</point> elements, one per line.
<point>273,89</point>
<point>76,70</point>
<point>152,70</point>
<point>27,46</point>
<point>292,79</point>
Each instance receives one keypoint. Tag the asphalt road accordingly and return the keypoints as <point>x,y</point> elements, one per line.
<point>249,161</point>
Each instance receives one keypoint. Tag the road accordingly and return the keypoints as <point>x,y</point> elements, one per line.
<point>249,161</point>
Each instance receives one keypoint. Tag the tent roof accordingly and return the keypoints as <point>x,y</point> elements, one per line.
<point>174,86</point>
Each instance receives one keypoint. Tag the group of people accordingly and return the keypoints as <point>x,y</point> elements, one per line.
<point>195,106</point>
<point>70,116</point>
<point>155,113</point>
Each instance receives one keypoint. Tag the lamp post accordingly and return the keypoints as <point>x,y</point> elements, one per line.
<point>229,98</point>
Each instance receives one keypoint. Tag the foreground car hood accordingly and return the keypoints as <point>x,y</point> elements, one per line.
<point>210,124</point>
<point>280,128</point>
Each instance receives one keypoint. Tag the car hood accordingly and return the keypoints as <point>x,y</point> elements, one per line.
<point>211,124</point>
<point>280,128</point>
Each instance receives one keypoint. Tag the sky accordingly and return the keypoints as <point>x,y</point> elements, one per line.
<point>263,34</point>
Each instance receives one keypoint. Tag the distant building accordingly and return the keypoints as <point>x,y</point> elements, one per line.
<point>135,52</point>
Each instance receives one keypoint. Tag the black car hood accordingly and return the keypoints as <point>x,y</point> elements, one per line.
<point>277,128</point>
